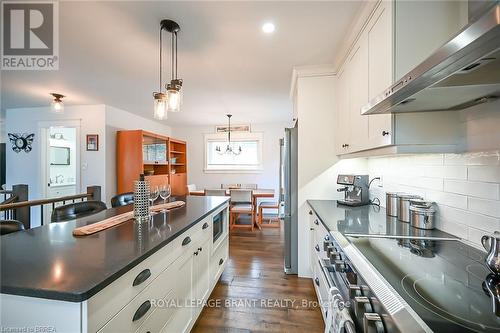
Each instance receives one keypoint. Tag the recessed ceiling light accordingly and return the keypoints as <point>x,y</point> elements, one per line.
<point>268,28</point>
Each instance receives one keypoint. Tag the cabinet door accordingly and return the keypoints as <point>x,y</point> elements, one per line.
<point>380,71</point>
<point>178,183</point>
<point>358,94</point>
<point>183,289</point>
<point>342,131</point>
<point>202,271</point>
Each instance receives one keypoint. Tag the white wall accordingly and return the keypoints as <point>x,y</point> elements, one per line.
<point>268,178</point>
<point>25,168</point>
<point>117,120</point>
<point>97,167</point>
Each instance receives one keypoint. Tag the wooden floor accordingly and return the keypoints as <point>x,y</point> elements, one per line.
<point>261,297</point>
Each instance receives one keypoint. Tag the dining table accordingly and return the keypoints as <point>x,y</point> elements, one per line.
<point>256,194</point>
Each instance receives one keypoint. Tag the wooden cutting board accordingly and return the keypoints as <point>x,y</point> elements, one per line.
<point>119,219</point>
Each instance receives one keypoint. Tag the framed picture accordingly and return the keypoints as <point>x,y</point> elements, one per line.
<point>92,142</point>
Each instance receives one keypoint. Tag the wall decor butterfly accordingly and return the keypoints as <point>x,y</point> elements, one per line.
<point>21,141</point>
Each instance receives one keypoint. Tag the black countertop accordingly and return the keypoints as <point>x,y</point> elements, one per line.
<point>366,220</point>
<point>49,262</point>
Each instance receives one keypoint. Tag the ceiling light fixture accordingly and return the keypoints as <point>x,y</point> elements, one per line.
<point>268,28</point>
<point>230,149</point>
<point>171,99</point>
<point>57,105</point>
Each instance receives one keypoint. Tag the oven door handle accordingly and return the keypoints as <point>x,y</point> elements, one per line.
<point>328,278</point>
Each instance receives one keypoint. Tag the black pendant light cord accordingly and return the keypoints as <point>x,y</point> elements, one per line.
<point>172,60</point>
<point>229,130</point>
<point>176,55</point>
<point>161,61</point>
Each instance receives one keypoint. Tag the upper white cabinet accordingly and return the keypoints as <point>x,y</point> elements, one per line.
<point>396,36</point>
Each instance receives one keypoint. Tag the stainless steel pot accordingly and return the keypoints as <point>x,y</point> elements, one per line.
<point>404,206</point>
<point>391,202</point>
<point>422,217</point>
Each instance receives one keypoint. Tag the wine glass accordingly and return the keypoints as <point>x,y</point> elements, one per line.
<point>153,194</point>
<point>165,192</point>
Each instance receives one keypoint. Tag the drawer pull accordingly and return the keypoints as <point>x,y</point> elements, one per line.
<point>221,261</point>
<point>205,225</point>
<point>316,280</point>
<point>186,241</point>
<point>142,310</point>
<point>200,249</point>
<point>141,277</point>
<point>310,212</point>
<point>316,222</point>
<point>317,248</point>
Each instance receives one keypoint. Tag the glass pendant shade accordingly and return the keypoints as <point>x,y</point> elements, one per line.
<point>160,106</point>
<point>174,100</point>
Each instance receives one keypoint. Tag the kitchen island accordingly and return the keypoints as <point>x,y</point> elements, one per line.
<point>152,276</point>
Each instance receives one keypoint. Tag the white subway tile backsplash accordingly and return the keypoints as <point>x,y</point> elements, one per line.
<point>468,218</point>
<point>475,189</point>
<point>482,158</point>
<point>475,236</point>
<point>484,173</point>
<point>445,171</point>
<point>487,207</point>
<point>466,187</point>
<point>448,199</point>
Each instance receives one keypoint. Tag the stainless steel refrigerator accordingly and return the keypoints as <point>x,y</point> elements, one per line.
<point>288,196</point>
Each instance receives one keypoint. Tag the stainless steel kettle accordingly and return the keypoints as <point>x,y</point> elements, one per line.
<point>493,249</point>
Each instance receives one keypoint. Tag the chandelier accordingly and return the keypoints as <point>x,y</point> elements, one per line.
<point>230,149</point>
<point>170,100</point>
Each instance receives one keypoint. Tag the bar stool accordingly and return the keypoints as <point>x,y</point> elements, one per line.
<point>274,222</point>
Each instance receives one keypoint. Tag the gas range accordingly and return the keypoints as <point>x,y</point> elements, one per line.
<point>391,277</point>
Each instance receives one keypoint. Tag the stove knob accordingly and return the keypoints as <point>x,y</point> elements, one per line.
<point>335,256</point>
<point>362,305</point>
<point>355,291</point>
<point>372,323</point>
<point>339,266</point>
<point>326,245</point>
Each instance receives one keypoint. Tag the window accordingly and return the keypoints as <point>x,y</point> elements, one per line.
<point>250,159</point>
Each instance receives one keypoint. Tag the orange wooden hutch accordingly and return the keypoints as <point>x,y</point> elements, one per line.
<point>162,159</point>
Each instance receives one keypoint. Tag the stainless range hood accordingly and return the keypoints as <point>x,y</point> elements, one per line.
<point>463,72</point>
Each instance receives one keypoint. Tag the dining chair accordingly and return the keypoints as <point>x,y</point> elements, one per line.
<point>249,186</point>
<point>122,199</point>
<point>77,210</point>
<point>241,203</point>
<point>273,222</point>
<point>215,192</point>
<point>230,186</point>
<point>10,226</point>
<point>191,188</point>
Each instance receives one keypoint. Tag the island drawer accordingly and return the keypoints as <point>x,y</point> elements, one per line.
<point>109,301</point>
<point>155,306</point>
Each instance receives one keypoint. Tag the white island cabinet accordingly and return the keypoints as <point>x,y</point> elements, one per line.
<point>164,293</point>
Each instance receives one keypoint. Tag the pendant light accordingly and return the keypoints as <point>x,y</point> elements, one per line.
<point>230,150</point>
<point>57,105</point>
<point>171,99</point>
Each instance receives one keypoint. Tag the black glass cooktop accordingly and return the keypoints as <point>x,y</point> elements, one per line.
<point>443,281</point>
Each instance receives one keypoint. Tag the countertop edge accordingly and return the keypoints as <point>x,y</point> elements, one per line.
<point>85,295</point>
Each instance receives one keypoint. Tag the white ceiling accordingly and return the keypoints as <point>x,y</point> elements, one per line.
<point>109,55</point>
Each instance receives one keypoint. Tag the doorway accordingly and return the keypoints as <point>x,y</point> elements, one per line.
<point>60,157</point>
